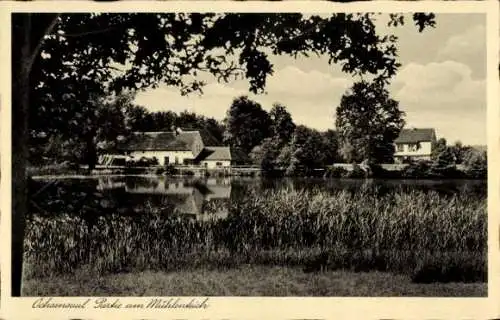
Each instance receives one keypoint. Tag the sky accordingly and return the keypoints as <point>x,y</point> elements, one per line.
<point>441,83</point>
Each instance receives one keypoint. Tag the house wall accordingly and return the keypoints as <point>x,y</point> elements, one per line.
<point>160,155</point>
<point>212,164</point>
<point>424,152</point>
<point>163,187</point>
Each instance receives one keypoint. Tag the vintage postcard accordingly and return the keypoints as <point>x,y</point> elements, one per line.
<point>220,160</point>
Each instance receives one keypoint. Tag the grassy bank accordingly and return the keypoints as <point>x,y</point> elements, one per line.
<point>245,281</point>
<point>423,235</point>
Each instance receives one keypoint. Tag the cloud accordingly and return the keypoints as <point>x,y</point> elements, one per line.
<point>468,48</point>
<point>444,96</point>
<point>213,103</point>
<point>310,96</point>
<point>293,80</point>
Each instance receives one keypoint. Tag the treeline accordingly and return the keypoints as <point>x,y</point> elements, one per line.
<point>367,123</point>
<point>98,126</point>
<point>267,139</point>
<point>274,142</point>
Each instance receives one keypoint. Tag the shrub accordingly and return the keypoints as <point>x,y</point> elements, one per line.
<point>445,158</point>
<point>447,172</point>
<point>377,171</point>
<point>356,172</point>
<point>476,164</point>
<point>420,169</point>
<point>450,267</point>
<point>171,169</point>
<point>335,172</point>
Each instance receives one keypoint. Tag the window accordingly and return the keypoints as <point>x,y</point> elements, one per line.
<point>413,147</point>
<point>218,164</point>
<point>399,148</point>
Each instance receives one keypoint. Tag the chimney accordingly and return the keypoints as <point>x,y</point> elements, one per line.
<point>176,130</point>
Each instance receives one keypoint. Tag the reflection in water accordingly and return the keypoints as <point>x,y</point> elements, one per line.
<point>201,199</point>
<point>204,199</point>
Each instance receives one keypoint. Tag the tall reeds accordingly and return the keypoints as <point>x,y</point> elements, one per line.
<point>426,235</point>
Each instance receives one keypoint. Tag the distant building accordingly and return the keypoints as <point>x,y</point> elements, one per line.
<point>214,157</point>
<point>480,148</point>
<point>177,147</point>
<point>414,144</point>
<point>168,147</point>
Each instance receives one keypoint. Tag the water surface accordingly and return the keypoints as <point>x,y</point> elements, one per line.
<point>204,198</point>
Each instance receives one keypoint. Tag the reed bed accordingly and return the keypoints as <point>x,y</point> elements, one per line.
<point>426,235</point>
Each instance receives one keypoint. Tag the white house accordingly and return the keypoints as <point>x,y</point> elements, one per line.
<point>178,147</point>
<point>414,144</point>
<point>168,147</point>
<point>214,157</point>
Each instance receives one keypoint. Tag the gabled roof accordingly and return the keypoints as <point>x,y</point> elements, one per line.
<point>480,148</point>
<point>161,141</point>
<point>415,135</point>
<point>214,153</point>
<point>207,138</point>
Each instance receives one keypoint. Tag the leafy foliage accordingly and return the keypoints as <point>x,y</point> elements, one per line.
<point>282,124</point>
<point>96,124</point>
<point>368,121</point>
<point>306,151</point>
<point>247,124</point>
<point>438,147</point>
<point>173,47</point>
<point>82,56</point>
<point>476,163</point>
<point>445,158</point>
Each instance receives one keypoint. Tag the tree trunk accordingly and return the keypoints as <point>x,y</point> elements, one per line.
<point>28,32</point>
<point>21,55</point>
<point>91,151</point>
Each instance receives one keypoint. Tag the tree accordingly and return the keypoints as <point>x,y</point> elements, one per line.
<point>112,123</point>
<point>282,126</point>
<point>460,151</point>
<point>96,125</point>
<point>285,156</point>
<point>211,129</point>
<point>331,150</point>
<point>247,124</point>
<point>368,121</point>
<point>71,42</point>
<point>306,151</point>
<point>264,155</point>
<point>281,130</point>
<point>438,147</point>
<point>445,158</point>
<point>476,163</point>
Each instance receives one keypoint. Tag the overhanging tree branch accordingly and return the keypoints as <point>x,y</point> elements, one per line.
<point>38,47</point>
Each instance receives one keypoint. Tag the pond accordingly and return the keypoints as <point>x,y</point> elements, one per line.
<point>113,224</point>
<point>206,198</point>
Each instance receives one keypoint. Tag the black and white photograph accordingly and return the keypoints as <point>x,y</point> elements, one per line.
<point>238,154</point>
